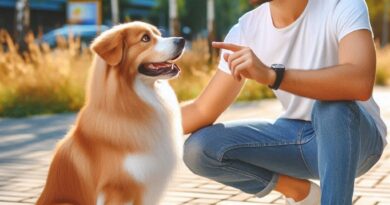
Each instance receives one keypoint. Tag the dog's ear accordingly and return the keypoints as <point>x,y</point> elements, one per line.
<point>109,46</point>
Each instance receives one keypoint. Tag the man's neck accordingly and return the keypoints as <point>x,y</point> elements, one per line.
<point>285,12</point>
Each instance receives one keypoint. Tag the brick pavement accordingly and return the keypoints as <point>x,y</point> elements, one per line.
<point>26,146</point>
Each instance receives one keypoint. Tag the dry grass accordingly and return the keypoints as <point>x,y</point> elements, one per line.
<point>197,70</point>
<point>41,80</point>
<point>46,80</point>
<point>383,66</point>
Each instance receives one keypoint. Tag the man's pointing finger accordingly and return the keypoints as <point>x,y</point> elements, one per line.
<point>227,46</point>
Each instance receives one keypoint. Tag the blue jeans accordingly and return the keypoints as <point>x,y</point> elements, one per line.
<point>340,143</point>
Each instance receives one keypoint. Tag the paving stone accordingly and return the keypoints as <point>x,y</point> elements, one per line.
<point>10,198</point>
<point>241,197</point>
<point>238,203</point>
<point>366,201</point>
<point>367,183</point>
<point>176,199</point>
<point>14,193</point>
<point>202,201</point>
<point>212,186</point>
<point>272,197</point>
<point>14,203</point>
<point>30,200</point>
<point>198,195</point>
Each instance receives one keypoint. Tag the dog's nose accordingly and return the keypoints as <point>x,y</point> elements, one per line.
<point>180,42</point>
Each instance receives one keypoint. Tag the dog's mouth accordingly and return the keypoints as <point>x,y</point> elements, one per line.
<point>157,69</point>
<point>162,68</point>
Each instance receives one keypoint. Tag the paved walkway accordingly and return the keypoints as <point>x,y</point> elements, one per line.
<point>26,147</point>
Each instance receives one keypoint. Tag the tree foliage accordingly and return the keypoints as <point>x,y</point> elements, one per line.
<point>193,14</point>
<point>377,9</point>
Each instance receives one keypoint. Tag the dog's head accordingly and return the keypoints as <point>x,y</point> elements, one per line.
<point>137,48</point>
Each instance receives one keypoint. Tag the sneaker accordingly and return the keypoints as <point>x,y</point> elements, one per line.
<point>314,197</point>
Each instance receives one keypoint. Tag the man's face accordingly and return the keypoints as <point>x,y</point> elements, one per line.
<point>258,2</point>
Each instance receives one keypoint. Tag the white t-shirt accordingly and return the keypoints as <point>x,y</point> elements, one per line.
<point>309,43</point>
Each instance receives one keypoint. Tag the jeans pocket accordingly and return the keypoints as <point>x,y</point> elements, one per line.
<point>368,164</point>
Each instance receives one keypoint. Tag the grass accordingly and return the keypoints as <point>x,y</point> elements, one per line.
<point>41,81</point>
<point>45,81</point>
<point>383,66</point>
<point>197,71</point>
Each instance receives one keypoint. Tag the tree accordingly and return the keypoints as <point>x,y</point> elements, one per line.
<point>115,11</point>
<point>193,15</point>
<point>385,31</point>
<point>174,27</point>
<point>22,19</point>
<point>228,13</point>
<point>377,12</point>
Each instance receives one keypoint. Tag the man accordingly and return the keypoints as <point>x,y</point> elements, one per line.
<point>319,58</point>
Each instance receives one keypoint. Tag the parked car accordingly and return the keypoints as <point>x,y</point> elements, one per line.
<point>86,32</point>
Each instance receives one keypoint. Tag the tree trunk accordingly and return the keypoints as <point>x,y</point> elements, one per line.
<point>115,11</point>
<point>211,27</point>
<point>22,20</point>
<point>173,21</point>
<point>385,31</point>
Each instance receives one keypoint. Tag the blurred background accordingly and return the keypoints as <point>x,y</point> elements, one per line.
<point>44,55</point>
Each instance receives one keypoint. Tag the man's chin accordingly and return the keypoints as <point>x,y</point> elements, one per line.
<point>258,2</point>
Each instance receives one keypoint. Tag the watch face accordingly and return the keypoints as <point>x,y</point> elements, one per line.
<point>277,66</point>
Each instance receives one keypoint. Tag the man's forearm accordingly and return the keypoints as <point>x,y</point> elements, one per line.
<point>342,82</point>
<point>192,119</point>
<point>187,110</point>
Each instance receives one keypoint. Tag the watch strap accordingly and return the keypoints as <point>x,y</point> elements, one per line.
<point>279,70</point>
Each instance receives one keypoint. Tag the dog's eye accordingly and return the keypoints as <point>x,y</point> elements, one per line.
<point>145,38</point>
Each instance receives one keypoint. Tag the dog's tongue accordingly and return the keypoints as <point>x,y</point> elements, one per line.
<point>159,65</point>
<point>156,69</point>
<point>164,65</point>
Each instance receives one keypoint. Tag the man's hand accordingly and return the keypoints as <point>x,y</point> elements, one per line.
<point>244,63</point>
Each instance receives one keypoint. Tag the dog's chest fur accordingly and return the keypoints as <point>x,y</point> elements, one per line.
<point>156,165</point>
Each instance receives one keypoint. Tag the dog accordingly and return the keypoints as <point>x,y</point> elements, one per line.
<point>127,137</point>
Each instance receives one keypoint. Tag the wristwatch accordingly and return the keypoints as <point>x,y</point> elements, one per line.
<point>279,70</point>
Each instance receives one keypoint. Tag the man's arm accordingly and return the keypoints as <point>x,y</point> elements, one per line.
<point>352,79</point>
<point>215,98</point>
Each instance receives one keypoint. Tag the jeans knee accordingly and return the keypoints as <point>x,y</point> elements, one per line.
<point>192,150</point>
<point>334,110</point>
<point>195,153</point>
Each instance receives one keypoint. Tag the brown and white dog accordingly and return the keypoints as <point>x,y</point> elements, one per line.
<point>126,140</point>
